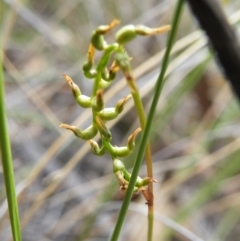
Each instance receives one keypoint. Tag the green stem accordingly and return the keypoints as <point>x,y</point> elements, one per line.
<point>146,132</point>
<point>96,84</point>
<point>7,163</point>
<point>142,118</point>
<point>102,63</point>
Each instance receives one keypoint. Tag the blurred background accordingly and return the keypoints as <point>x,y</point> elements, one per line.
<point>65,192</point>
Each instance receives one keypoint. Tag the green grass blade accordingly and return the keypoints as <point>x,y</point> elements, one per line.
<point>7,163</point>
<point>158,89</point>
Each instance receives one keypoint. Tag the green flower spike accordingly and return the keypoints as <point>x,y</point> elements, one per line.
<point>83,100</point>
<point>87,134</point>
<point>129,32</point>
<point>97,39</point>
<point>112,113</point>
<point>103,75</point>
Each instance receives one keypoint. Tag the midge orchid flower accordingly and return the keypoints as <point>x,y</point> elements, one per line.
<point>103,76</point>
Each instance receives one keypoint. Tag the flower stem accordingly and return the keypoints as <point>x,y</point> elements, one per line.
<point>142,118</point>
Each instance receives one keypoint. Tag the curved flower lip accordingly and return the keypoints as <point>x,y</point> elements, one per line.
<point>74,129</point>
<point>68,79</point>
<point>146,31</point>
<point>73,86</point>
<point>103,29</point>
<point>132,137</point>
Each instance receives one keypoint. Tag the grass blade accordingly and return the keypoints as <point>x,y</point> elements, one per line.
<point>7,163</point>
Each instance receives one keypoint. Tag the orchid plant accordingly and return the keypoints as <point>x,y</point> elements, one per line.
<point>103,76</point>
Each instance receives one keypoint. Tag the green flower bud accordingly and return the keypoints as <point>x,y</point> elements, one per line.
<point>87,134</point>
<point>112,113</point>
<point>104,132</point>
<point>87,66</point>
<point>82,100</point>
<point>126,34</point>
<point>91,74</point>
<point>108,114</point>
<point>98,41</point>
<point>141,182</point>
<point>129,32</point>
<point>118,166</point>
<point>104,84</point>
<point>121,151</point>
